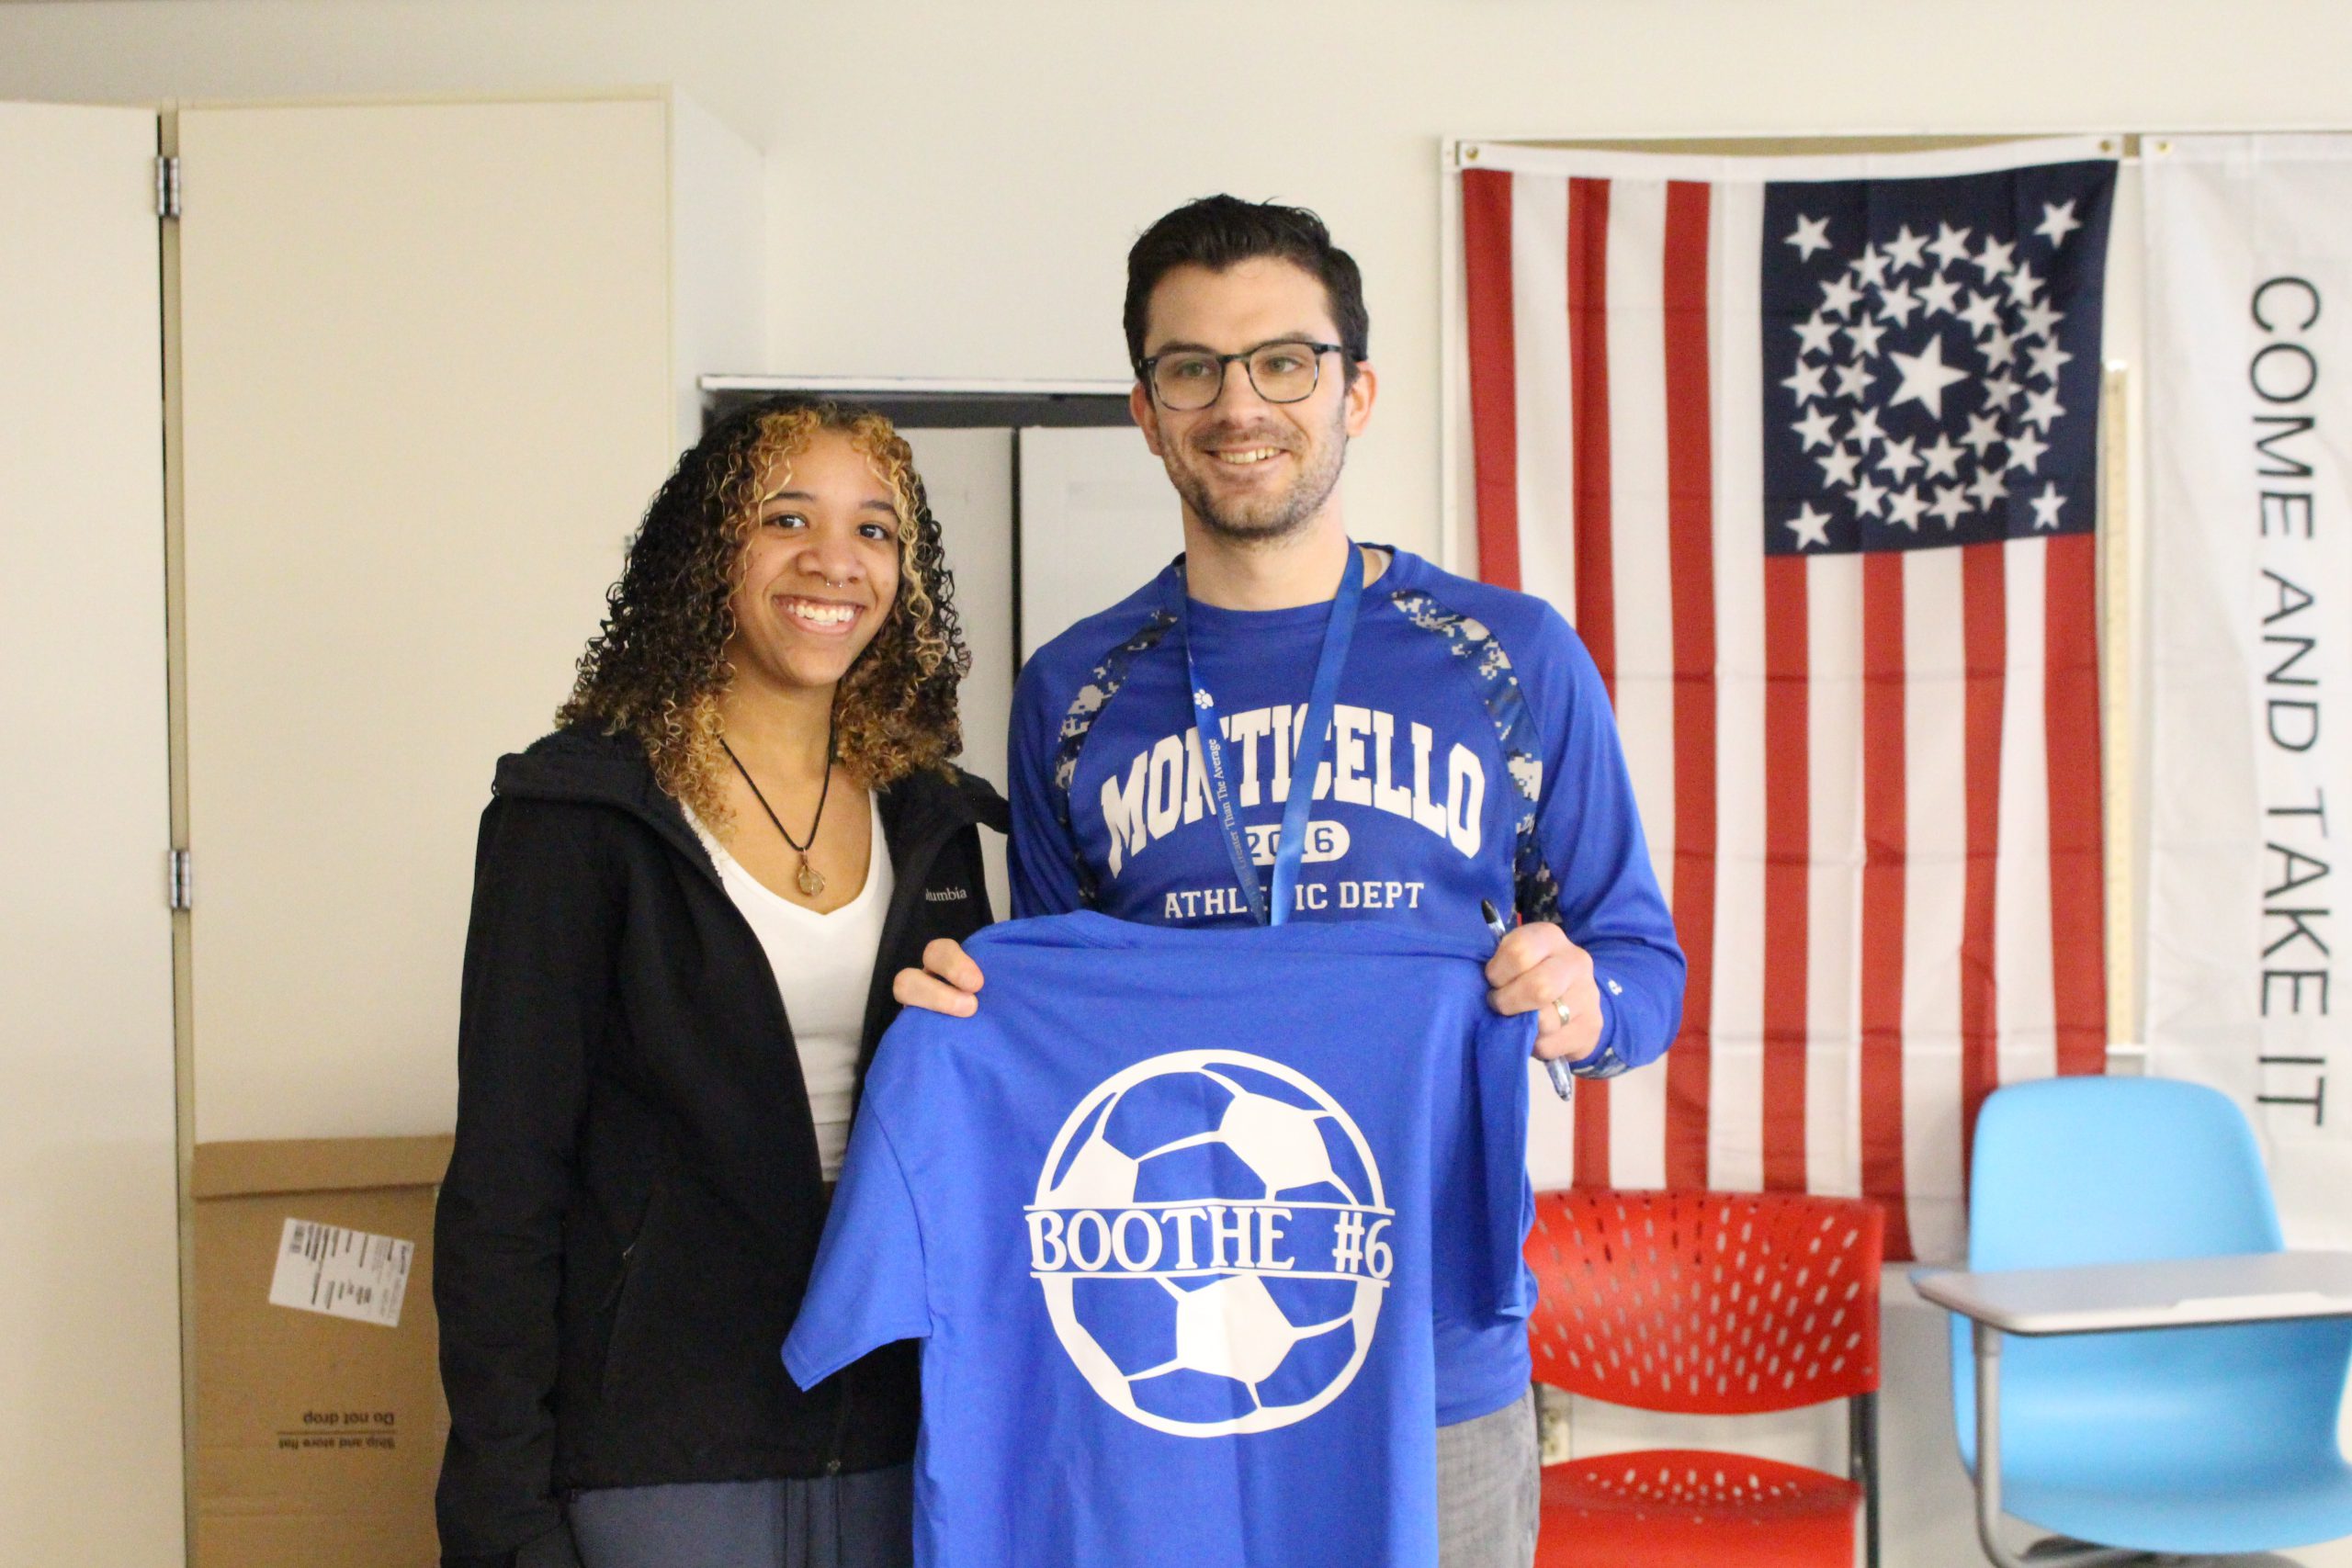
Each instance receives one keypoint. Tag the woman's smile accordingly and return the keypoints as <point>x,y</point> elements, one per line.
<point>819,617</point>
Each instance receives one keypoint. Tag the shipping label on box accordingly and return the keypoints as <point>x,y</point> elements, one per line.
<point>319,1416</point>
<point>343,1273</point>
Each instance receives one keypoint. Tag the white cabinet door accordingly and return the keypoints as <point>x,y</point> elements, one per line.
<point>89,1281</point>
<point>1098,518</point>
<point>428,393</point>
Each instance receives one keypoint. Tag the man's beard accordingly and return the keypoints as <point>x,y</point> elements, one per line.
<point>1265,520</point>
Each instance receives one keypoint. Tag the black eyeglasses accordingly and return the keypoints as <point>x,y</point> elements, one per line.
<point>1285,371</point>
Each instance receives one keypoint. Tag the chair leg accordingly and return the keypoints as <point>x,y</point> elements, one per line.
<point>1861,1464</point>
<point>1988,1478</point>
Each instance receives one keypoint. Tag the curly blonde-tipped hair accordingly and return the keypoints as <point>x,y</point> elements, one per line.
<point>657,666</point>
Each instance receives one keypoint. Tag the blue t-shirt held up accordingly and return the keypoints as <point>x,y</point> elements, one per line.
<point>1174,1216</point>
<point>1473,755</point>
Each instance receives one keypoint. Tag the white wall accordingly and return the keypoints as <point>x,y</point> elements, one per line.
<point>954,186</point>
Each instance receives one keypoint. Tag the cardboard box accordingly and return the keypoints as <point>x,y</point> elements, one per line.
<point>319,1416</point>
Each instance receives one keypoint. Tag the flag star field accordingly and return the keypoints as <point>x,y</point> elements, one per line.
<point>1922,383</point>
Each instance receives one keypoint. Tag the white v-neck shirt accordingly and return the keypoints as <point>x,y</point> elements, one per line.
<point>824,967</point>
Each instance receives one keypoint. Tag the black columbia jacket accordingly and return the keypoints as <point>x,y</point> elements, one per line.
<point>628,1219</point>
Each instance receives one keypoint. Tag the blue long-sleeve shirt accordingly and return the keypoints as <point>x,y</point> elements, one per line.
<point>1473,756</point>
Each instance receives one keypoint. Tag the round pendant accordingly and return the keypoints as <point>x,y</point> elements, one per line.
<point>810,882</point>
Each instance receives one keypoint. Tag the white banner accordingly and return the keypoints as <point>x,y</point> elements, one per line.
<point>2249,314</point>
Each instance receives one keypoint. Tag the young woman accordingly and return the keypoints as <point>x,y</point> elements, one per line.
<point>688,902</point>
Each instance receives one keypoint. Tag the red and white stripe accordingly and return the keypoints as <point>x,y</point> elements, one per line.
<point>1870,782</point>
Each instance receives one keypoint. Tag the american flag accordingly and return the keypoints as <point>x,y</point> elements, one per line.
<point>1807,452</point>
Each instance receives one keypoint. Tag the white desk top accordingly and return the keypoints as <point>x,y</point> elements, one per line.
<point>2173,1293</point>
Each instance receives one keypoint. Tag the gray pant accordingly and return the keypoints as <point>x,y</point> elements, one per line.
<point>848,1521</point>
<point>1489,1489</point>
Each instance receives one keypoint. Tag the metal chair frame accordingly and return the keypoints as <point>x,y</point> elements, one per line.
<point>1861,1464</point>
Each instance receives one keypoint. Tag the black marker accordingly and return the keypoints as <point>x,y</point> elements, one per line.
<point>1564,1082</point>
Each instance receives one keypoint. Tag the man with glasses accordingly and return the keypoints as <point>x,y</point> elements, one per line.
<point>1469,753</point>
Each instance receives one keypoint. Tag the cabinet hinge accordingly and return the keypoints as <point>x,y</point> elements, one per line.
<point>167,187</point>
<point>181,877</point>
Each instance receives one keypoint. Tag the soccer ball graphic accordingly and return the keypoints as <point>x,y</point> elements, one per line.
<point>1211,1314</point>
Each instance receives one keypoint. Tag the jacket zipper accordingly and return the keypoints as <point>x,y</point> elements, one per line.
<point>620,1280</point>
<point>608,1309</point>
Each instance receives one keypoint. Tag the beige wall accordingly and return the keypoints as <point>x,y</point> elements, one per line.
<point>953,185</point>
<point>89,1302</point>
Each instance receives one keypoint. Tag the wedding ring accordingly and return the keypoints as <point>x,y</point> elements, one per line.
<point>1560,1009</point>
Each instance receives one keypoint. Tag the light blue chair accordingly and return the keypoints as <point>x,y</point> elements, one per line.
<point>2184,1440</point>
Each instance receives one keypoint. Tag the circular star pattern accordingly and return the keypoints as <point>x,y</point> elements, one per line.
<point>1953,331</point>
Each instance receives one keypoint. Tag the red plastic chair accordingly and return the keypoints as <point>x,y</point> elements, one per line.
<point>1708,1304</point>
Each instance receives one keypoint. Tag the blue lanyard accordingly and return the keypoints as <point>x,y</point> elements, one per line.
<point>1322,696</point>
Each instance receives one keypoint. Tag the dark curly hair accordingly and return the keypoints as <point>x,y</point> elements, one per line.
<point>658,664</point>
